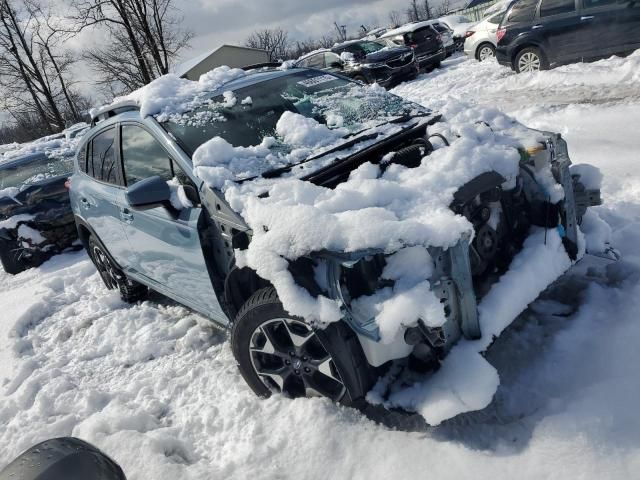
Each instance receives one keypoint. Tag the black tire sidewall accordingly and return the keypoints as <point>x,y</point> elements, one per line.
<point>339,341</point>
<point>9,263</point>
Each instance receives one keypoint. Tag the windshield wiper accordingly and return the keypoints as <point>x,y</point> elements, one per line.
<point>276,172</point>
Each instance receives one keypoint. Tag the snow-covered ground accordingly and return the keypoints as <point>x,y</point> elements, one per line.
<point>156,386</point>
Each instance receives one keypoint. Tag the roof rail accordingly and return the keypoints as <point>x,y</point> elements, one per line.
<point>102,113</point>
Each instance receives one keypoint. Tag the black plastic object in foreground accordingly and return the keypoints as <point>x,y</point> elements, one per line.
<point>64,458</point>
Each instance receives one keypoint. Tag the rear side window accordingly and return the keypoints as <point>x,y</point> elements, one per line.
<point>598,3</point>
<point>143,156</point>
<point>102,162</point>
<point>315,61</point>
<point>440,28</point>
<point>331,58</point>
<point>522,11</point>
<point>556,7</point>
<point>421,34</point>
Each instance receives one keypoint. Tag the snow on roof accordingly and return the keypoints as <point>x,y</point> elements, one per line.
<point>409,27</point>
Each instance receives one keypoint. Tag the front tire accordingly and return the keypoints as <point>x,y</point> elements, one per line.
<point>112,277</point>
<point>280,353</point>
<point>530,59</point>
<point>10,258</point>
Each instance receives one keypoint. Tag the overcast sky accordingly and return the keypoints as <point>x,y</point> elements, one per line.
<point>215,22</point>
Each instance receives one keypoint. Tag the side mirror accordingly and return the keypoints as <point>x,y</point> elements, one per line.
<point>63,459</point>
<point>337,65</point>
<point>148,192</point>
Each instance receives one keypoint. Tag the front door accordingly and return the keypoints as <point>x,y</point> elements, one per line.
<point>165,238</point>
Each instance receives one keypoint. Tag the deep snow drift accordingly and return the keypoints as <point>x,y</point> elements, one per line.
<point>155,387</point>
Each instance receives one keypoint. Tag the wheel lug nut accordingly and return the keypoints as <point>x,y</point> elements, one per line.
<point>292,354</point>
<point>287,362</point>
<point>307,369</point>
<point>304,359</point>
<point>297,372</point>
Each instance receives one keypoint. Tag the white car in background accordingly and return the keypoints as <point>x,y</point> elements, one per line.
<point>459,25</point>
<point>480,40</point>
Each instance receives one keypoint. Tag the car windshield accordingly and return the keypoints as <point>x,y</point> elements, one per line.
<point>246,116</point>
<point>33,170</point>
<point>363,49</point>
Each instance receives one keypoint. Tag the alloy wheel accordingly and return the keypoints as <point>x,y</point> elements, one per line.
<point>485,53</point>
<point>288,357</point>
<point>529,62</point>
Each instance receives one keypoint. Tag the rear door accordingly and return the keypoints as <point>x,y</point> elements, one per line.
<point>99,195</point>
<point>165,239</point>
<point>560,25</point>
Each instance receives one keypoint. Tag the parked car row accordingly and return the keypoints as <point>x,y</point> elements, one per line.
<point>36,221</point>
<point>390,56</point>
<point>532,35</point>
<point>367,61</point>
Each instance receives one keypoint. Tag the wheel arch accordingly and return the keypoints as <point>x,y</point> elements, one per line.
<point>84,232</point>
<point>239,285</point>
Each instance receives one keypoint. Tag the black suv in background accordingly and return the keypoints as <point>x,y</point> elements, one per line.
<point>366,61</point>
<point>36,220</point>
<point>423,38</point>
<point>538,34</point>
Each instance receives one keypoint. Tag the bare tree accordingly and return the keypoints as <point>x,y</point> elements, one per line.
<point>34,68</point>
<point>342,31</point>
<point>395,19</point>
<point>274,41</point>
<point>427,13</point>
<point>146,37</point>
<point>413,11</point>
<point>443,9</point>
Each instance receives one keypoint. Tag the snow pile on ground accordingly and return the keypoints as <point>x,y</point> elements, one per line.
<point>488,83</point>
<point>171,94</point>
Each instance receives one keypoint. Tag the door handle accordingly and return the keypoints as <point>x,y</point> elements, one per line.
<point>535,27</point>
<point>126,215</point>
<point>586,17</point>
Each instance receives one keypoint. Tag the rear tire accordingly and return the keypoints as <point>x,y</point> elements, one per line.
<point>114,278</point>
<point>278,352</point>
<point>530,59</point>
<point>10,259</point>
<point>360,78</point>
<point>485,51</point>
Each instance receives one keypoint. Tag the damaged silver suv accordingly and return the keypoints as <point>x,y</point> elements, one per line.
<point>335,228</point>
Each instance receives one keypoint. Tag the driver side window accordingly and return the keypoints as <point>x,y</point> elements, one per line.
<point>143,156</point>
